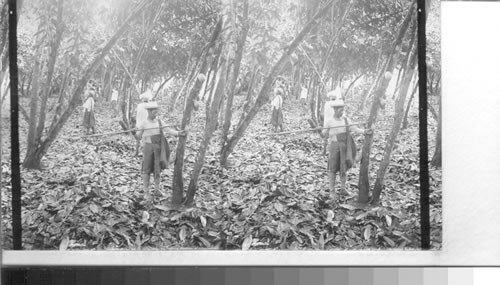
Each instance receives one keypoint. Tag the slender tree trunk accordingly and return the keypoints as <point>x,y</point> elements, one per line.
<point>405,120</point>
<point>161,86</point>
<point>51,66</point>
<point>248,100</point>
<point>398,118</point>
<point>32,160</point>
<point>351,85</point>
<point>401,71</point>
<point>436,159</point>
<point>214,80</point>
<point>178,182</point>
<point>263,96</point>
<point>60,99</point>
<point>33,107</point>
<point>364,183</point>
<point>211,122</point>
<point>375,83</point>
<point>188,82</point>
<point>314,118</point>
<point>236,70</point>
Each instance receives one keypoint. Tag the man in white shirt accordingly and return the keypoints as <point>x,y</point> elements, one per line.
<point>149,130</point>
<point>88,113</point>
<point>341,147</point>
<point>142,113</point>
<point>114,101</point>
<point>277,111</point>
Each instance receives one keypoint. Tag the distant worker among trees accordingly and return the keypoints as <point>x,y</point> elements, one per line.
<point>328,112</point>
<point>88,112</point>
<point>156,150</point>
<point>114,101</point>
<point>342,150</point>
<point>277,111</point>
<point>142,113</point>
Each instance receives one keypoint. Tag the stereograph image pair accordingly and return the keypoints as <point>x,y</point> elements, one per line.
<point>223,125</point>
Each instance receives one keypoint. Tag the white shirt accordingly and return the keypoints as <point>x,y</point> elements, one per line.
<point>303,93</point>
<point>277,102</point>
<point>339,124</point>
<point>89,104</point>
<point>114,95</point>
<point>146,124</point>
<point>142,113</point>
<point>328,111</point>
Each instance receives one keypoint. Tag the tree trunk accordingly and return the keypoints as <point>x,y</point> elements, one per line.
<point>375,83</point>
<point>214,80</point>
<point>314,118</point>
<point>405,120</point>
<point>51,66</point>
<point>240,45</point>
<point>401,71</point>
<point>398,118</point>
<point>178,182</point>
<point>188,82</point>
<point>211,122</point>
<point>263,96</point>
<point>248,101</point>
<point>364,183</point>
<point>41,149</point>
<point>436,159</point>
<point>161,86</point>
<point>351,85</point>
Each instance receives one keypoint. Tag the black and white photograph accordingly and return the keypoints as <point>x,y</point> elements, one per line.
<point>239,125</point>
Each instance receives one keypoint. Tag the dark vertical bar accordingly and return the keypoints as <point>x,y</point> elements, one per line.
<point>422,114</point>
<point>14,133</point>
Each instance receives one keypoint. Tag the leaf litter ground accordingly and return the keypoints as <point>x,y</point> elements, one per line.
<point>274,195</point>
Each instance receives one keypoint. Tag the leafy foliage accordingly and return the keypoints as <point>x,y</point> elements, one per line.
<point>273,196</point>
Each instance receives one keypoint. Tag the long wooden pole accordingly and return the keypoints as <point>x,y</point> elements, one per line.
<point>308,130</point>
<point>126,131</point>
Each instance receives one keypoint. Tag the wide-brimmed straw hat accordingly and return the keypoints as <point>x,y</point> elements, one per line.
<point>334,94</point>
<point>147,95</point>
<point>338,103</point>
<point>151,105</point>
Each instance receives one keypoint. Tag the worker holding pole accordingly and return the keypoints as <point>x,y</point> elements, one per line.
<point>156,150</point>
<point>342,149</point>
